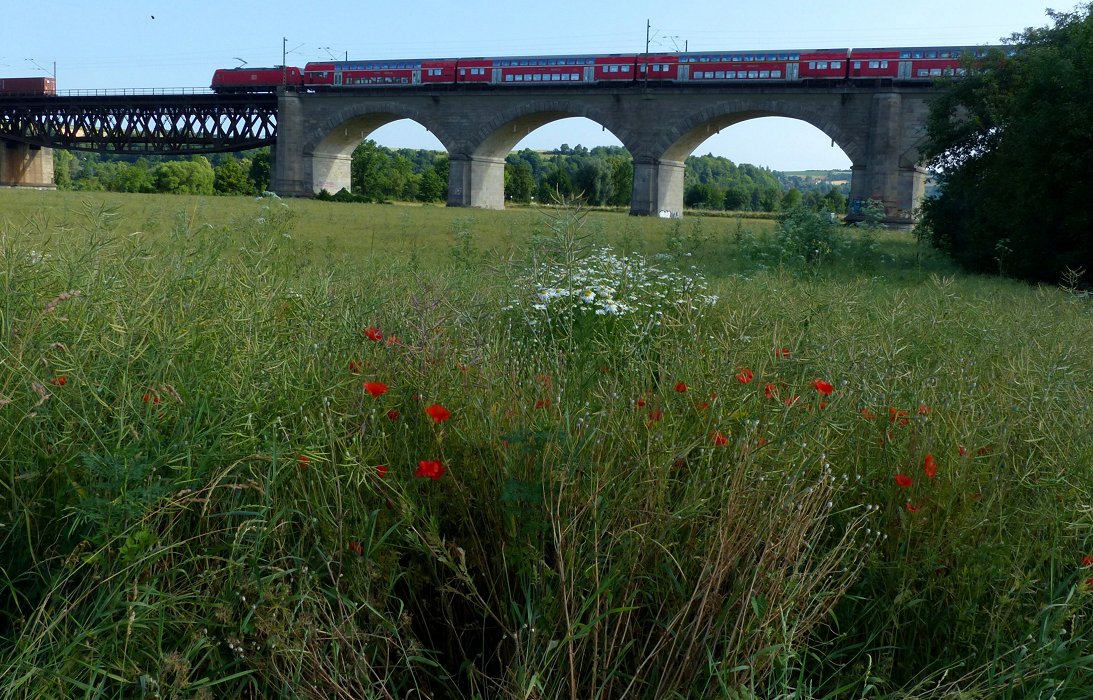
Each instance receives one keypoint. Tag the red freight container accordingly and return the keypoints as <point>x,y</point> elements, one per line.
<point>28,86</point>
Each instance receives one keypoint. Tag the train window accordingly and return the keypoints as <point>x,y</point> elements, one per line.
<point>720,75</point>
<point>904,54</point>
<point>923,73</point>
<point>812,65</point>
<point>730,74</point>
<point>462,71</point>
<point>916,54</point>
<point>884,64</point>
<point>575,76</point>
<point>874,64</point>
<point>931,54</point>
<point>857,65</point>
<point>764,74</point>
<point>626,68</point>
<point>836,64</point>
<point>783,57</point>
<point>538,77</point>
<point>935,72</point>
<point>821,65</point>
<point>555,77</point>
<point>776,74</point>
<point>508,78</point>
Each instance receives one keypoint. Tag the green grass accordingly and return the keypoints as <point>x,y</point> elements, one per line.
<point>197,509</point>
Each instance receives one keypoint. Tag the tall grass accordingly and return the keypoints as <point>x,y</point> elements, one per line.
<point>200,498</point>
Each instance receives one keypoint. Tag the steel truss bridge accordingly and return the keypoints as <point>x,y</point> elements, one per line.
<point>141,124</point>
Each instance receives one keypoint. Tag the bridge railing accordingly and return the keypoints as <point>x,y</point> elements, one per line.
<point>115,92</point>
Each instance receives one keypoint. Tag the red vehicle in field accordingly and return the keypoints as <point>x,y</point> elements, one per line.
<point>256,79</point>
<point>28,86</point>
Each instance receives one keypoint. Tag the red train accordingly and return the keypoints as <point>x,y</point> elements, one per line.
<point>691,68</point>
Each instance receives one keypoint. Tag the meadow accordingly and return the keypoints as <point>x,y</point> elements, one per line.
<point>279,448</point>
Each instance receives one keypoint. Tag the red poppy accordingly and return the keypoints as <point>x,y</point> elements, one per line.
<point>745,375</point>
<point>393,340</point>
<point>59,381</point>
<point>781,352</point>
<point>374,334</point>
<point>868,414</point>
<point>354,367</point>
<point>302,461</point>
<point>930,466</point>
<point>153,398</point>
<point>355,547</point>
<point>761,442</point>
<point>437,412</point>
<point>719,439</point>
<point>903,481</point>
<point>823,387</point>
<point>655,415</point>
<point>393,415</point>
<point>681,387</point>
<point>431,469</point>
<point>771,391</point>
<point>639,403</point>
<point>1087,560</point>
<point>375,388</point>
<point>963,451</point>
<point>911,507</point>
<point>897,414</point>
<point>381,469</point>
<point>542,403</point>
<point>823,405</point>
<point>923,410</point>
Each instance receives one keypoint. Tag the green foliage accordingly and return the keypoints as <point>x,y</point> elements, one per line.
<point>1012,145</point>
<point>198,509</point>
<point>230,177</point>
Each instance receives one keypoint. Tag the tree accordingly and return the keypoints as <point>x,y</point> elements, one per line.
<point>231,178</point>
<point>261,167</point>
<point>1012,146</point>
<point>521,183</point>
<point>193,176</point>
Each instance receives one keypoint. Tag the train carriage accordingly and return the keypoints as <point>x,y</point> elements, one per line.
<point>721,67</point>
<point>529,71</point>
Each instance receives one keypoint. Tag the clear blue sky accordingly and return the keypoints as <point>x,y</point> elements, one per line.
<point>115,44</point>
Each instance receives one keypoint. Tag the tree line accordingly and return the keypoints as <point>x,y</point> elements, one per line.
<point>602,176</point>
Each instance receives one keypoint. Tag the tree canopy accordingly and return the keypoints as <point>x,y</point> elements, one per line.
<point>1012,144</point>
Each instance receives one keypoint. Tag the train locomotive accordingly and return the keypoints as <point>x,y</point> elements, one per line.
<point>820,66</point>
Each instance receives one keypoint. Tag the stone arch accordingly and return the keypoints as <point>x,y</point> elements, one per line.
<point>477,177</point>
<point>659,167</point>
<point>331,144</point>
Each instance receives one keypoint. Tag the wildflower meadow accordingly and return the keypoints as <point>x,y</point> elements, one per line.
<point>284,451</point>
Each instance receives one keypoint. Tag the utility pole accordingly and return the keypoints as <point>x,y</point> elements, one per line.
<point>647,26</point>
<point>284,63</point>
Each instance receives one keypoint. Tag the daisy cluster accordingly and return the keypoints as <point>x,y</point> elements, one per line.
<point>604,284</point>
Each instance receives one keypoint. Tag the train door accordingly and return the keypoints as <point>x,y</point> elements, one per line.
<point>904,70</point>
<point>685,71</point>
<point>792,70</point>
<point>415,76</point>
<point>496,76</point>
<point>337,77</point>
<point>590,74</point>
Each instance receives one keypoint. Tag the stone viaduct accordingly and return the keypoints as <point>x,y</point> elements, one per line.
<point>879,128</point>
